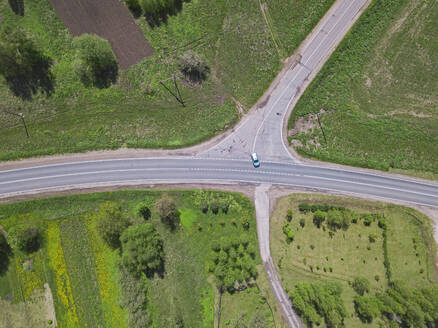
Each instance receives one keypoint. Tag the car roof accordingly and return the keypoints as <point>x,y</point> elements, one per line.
<point>254,155</point>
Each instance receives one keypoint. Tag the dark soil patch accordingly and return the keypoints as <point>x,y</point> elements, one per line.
<point>110,20</point>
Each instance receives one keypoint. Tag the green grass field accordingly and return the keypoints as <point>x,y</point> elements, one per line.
<point>83,273</point>
<point>378,93</point>
<point>234,37</point>
<point>349,253</point>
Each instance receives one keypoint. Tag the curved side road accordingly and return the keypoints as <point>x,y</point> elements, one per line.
<point>262,214</point>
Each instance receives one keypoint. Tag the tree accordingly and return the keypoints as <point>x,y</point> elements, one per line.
<point>96,63</point>
<point>193,66</point>
<point>143,210</point>
<point>302,222</point>
<point>168,212</point>
<point>319,218</point>
<point>361,285</point>
<point>24,238</point>
<point>142,250</point>
<point>25,68</point>
<point>156,11</point>
<point>367,308</point>
<point>111,222</point>
<point>17,6</point>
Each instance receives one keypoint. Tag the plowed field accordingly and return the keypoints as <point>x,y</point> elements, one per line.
<point>110,20</point>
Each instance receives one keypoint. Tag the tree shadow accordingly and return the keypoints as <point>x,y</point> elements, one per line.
<point>17,6</point>
<point>25,84</point>
<point>5,254</point>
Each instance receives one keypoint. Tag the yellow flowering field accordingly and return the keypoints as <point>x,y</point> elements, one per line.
<point>66,309</point>
<point>107,276</point>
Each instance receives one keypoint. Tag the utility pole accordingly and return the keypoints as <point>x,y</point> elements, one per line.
<point>177,96</point>
<point>20,115</point>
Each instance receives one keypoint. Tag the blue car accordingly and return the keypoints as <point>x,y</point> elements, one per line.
<point>255,160</point>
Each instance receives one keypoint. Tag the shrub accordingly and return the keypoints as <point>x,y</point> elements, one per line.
<point>143,211</point>
<point>24,238</point>
<point>304,207</point>
<point>368,219</point>
<point>225,206</point>
<point>168,212</point>
<point>204,206</point>
<point>24,66</point>
<point>245,223</point>
<point>376,277</point>
<point>367,308</point>
<point>156,11</point>
<point>142,250</point>
<point>111,222</point>
<point>319,218</point>
<point>214,207</point>
<point>302,222</point>
<point>289,215</point>
<point>193,66</point>
<point>290,234</point>
<point>372,237</point>
<point>382,223</point>
<point>361,285</point>
<point>96,63</point>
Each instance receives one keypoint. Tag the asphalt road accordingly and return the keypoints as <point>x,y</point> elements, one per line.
<point>192,169</point>
<point>261,131</point>
<point>228,161</point>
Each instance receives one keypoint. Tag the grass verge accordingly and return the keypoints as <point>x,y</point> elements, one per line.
<point>315,256</point>
<point>376,94</point>
<point>137,111</point>
<point>83,271</point>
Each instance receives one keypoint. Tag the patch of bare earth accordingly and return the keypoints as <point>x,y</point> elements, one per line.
<point>111,20</point>
<point>35,312</point>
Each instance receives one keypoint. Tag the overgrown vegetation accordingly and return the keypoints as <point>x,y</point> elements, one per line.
<point>382,247</point>
<point>317,302</point>
<point>137,110</point>
<point>96,284</point>
<point>376,95</point>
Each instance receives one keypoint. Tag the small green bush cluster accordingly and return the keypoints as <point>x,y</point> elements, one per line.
<point>318,302</point>
<point>287,230</point>
<point>214,205</point>
<point>233,262</point>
